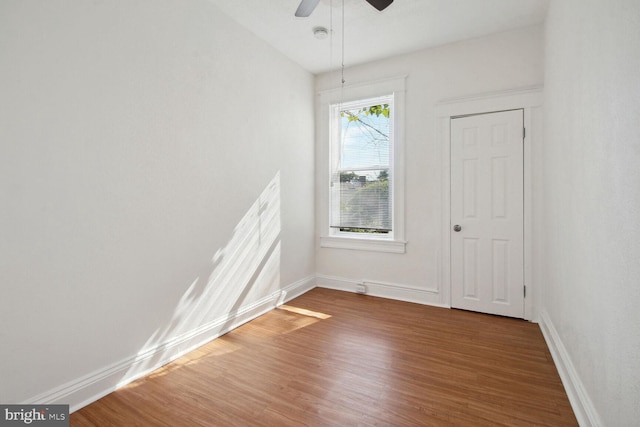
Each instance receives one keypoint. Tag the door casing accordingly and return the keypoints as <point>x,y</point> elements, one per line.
<point>530,100</point>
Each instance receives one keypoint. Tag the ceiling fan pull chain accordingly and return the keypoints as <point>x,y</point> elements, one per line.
<point>342,71</point>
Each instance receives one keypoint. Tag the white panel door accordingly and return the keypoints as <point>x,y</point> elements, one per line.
<point>487,198</point>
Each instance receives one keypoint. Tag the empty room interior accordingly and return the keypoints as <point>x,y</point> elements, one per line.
<point>417,212</point>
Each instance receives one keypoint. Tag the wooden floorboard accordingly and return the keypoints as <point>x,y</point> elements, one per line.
<point>331,358</point>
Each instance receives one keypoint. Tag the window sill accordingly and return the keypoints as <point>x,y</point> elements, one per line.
<point>359,244</point>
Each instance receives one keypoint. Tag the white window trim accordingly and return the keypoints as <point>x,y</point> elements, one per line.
<point>396,242</point>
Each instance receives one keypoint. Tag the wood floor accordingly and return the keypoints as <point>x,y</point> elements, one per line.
<point>331,358</point>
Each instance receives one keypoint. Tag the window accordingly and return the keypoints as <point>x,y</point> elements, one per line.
<point>362,173</point>
<point>361,138</point>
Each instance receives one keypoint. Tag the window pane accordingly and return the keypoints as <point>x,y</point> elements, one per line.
<point>365,204</point>
<point>365,137</point>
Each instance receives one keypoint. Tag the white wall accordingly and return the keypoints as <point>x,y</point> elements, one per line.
<point>136,140</point>
<point>591,160</point>
<point>494,63</point>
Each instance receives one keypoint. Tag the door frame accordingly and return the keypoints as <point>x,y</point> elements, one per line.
<point>530,100</point>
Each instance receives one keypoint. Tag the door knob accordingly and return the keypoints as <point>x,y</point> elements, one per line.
<point>457,228</point>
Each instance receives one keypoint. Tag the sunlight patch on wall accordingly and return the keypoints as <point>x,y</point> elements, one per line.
<point>245,270</point>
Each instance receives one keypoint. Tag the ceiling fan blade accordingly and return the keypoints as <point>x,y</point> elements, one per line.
<point>306,7</point>
<point>380,4</point>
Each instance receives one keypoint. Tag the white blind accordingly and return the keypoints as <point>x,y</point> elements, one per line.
<point>361,178</point>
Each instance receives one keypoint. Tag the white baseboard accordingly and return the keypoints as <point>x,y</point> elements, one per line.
<point>296,289</point>
<point>91,387</point>
<point>427,296</point>
<point>583,408</point>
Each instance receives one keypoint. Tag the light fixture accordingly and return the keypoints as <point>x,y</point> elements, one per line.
<point>320,33</point>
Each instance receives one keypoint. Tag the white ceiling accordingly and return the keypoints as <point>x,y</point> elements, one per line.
<point>405,26</point>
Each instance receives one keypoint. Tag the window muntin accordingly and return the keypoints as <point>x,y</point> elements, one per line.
<point>361,189</point>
